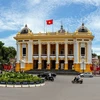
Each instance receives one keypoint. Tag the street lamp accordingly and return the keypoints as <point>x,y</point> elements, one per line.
<point>83,64</point>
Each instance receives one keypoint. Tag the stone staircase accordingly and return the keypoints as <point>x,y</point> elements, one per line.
<point>59,72</point>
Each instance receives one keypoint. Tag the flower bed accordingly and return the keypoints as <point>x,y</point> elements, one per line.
<point>15,78</point>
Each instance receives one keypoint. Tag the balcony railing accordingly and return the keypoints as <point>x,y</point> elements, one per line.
<point>24,55</point>
<point>52,54</point>
<point>70,54</point>
<point>44,55</point>
<point>35,54</point>
<point>82,54</point>
<point>61,54</point>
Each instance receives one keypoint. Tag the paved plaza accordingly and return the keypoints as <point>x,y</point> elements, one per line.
<point>60,89</point>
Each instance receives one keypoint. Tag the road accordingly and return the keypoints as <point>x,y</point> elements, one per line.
<point>60,89</point>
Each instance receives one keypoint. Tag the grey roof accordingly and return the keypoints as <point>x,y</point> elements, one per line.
<point>24,30</point>
<point>82,28</point>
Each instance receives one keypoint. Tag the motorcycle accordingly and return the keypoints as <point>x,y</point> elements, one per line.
<point>80,81</point>
<point>49,78</point>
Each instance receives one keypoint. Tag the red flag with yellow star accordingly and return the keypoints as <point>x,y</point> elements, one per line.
<point>49,22</point>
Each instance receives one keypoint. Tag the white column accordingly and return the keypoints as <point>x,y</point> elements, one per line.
<point>76,51</point>
<point>66,52</point>
<point>39,52</point>
<point>48,53</point>
<point>89,55</point>
<point>30,52</point>
<point>18,52</point>
<point>57,48</point>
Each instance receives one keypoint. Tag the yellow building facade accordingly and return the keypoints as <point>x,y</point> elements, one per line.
<point>59,50</point>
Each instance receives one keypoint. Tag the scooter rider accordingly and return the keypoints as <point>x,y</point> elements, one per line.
<point>77,78</point>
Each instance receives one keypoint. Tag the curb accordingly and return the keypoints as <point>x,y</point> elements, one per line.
<point>21,86</point>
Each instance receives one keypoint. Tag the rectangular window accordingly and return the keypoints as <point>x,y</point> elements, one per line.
<point>26,40</point>
<point>20,41</point>
<point>70,40</point>
<point>70,51</point>
<point>24,51</point>
<point>82,51</point>
<point>86,40</point>
<point>62,51</point>
<point>79,39</point>
<point>53,52</point>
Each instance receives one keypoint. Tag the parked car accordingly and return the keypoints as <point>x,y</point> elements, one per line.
<point>86,74</point>
<point>44,74</point>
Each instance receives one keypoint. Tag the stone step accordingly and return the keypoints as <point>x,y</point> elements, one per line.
<point>66,72</point>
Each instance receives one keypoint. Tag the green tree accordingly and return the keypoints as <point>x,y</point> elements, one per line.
<point>99,59</point>
<point>98,56</point>
<point>6,53</point>
<point>94,54</point>
<point>1,45</point>
<point>12,52</point>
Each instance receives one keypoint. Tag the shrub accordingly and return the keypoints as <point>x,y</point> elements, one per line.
<point>19,77</point>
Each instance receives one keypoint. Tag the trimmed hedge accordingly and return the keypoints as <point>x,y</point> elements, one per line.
<point>15,77</point>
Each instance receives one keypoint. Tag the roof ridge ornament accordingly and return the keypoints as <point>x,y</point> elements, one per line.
<point>25,25</point>
<point>61,29</point>
<point>82,28</point>
<point>25,30</point>
<point>82,24</point>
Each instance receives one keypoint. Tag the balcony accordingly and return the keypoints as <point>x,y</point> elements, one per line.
<point>61,56</point>
<point>35,56</point>
<point>70,56</point>
<point>52,56</point>
<point>24,55</point>
<point>82,55</point>
<point>44,56</point>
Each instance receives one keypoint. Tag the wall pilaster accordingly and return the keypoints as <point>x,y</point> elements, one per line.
<point>57,60</point>
<point>39,62</point>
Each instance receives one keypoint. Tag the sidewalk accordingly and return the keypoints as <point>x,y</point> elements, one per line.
<point>96,75</point>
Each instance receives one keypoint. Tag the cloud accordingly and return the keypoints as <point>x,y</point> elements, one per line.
<point>35,12</point>
<point>96,50</point>
<point>91,2</point>
<point>9,41</point>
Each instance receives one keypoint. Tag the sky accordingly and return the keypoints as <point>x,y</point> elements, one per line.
<point>72,13</point>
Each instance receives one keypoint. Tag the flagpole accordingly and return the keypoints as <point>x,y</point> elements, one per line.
<point>44,27</point>
<point>52,28</point>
